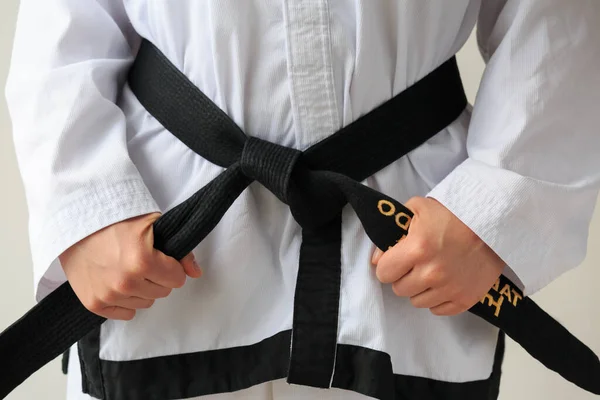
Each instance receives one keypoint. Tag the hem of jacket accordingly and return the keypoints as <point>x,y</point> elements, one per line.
<point>358,369</point>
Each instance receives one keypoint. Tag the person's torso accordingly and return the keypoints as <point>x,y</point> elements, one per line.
<point>293,73</point>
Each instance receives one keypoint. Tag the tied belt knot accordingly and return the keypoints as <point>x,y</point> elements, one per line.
<point>270,164</point>
<point>315,197</point>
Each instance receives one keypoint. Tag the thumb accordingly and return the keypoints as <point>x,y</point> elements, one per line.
<point>190,266</point>
<point>148,221</point>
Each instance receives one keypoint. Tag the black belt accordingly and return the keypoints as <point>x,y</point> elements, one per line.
<point>316,184</point>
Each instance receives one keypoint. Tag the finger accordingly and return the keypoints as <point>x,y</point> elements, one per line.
<point>413,204</point>
<point>134,303</point>
<point>377,253</point>
<point>190,266</point>
<point>415,248</point>
<point>166,271</point>
<point>117,313</point>
<point>430,298</point>
<point>394,264</point>
<point>446,309</point>
<point>410,284</point>
<point>122,286</point>
<point>151,291</point>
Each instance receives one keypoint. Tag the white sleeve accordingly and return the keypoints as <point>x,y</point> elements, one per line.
<point>530,183</point>
<point>69,64</point>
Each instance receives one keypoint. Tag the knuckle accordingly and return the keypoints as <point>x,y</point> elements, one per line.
<point>399,289</point>
<point>94,305</point>
<point>141,268</point>
<point>123,285</point>
<point>137,264</point>
<point>432,275</point>
<point>108,296</point>
<point>420,248</point>
<point>416,302</point>
<point>165,292</point>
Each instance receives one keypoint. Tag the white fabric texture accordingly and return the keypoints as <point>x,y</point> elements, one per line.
<point>521,168</point>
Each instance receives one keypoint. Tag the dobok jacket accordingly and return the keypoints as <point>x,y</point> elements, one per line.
<point>520,167</point>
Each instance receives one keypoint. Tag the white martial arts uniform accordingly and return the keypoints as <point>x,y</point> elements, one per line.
<point>521,168</point>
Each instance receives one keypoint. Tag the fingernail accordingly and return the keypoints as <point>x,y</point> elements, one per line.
<point>376,256</point>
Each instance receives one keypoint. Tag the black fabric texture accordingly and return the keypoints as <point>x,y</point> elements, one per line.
<point>195,374</point>
<point>237,368</point>
<point>92,378</point>
<point>316,184</point>
<point>41,335</point>
<point>355,373</point>
<point>64,362</point>
<point>316,305</point>
<point>542,337</point>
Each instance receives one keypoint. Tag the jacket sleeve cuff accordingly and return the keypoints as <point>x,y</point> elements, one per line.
<point>78,217</point>
<point>508,212</point>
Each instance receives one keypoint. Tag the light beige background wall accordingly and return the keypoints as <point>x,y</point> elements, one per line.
<point>573,299</point>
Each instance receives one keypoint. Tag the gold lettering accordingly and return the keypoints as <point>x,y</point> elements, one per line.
<point>391,208</point>
<point>506,292</point>
<point>516,297</point>
<point>405,224</point>
<point>492,302</point>
<point>496,285</point>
